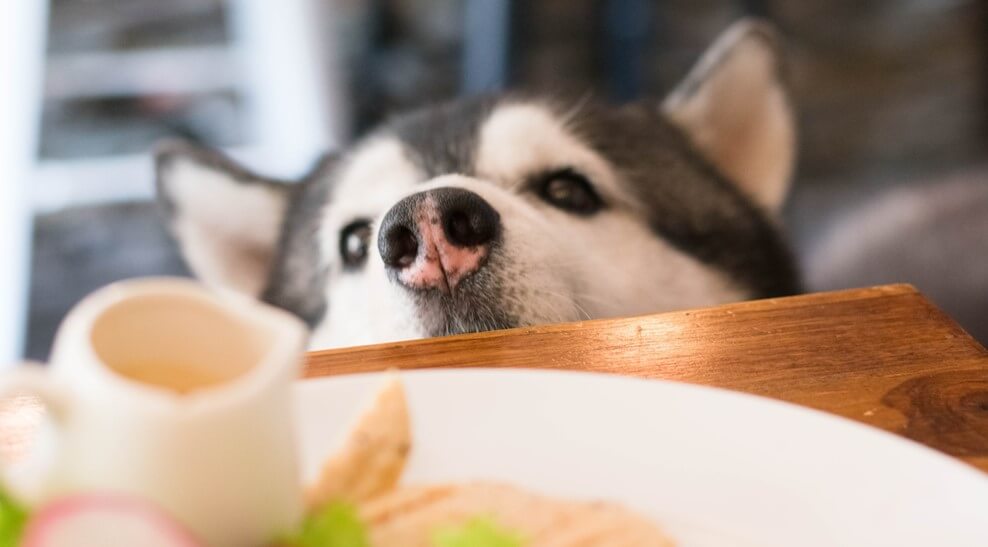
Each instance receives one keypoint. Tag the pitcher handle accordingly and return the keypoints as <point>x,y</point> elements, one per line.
<point>29,480</point>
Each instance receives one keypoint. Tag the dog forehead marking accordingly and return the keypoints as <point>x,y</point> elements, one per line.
<point>522,139</point>
<point>374,177</point>
<point>381,164</point>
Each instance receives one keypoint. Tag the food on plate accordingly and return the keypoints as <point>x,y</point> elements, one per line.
<point>338,524</point>
<point>94,520</point>
<point>335,524</point>
<point>13,516</point>
<point>358,491</point>
<point>411,516</point>
<point>373,455</point>
<point>479,532</point>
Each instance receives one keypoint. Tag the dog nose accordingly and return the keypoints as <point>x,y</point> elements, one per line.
<point>437,238</point>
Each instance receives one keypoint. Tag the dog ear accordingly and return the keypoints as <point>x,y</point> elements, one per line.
<point>227,220</point>
<point>733,105</point>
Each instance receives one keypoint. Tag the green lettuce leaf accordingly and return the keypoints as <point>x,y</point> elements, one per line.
<point>12,519</point>
<point>479,532</point>
<point>336,525</point>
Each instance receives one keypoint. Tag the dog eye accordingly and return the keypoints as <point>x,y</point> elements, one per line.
<point>354,242</point>
<point>570,191</point>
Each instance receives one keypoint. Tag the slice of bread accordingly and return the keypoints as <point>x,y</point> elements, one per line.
<point>373,455</point>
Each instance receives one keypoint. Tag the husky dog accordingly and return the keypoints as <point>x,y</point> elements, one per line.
<point>496,212</point>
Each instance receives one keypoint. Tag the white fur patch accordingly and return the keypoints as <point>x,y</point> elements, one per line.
<point>521,140</point>
<point>373,179</point>
<point>227,228</point>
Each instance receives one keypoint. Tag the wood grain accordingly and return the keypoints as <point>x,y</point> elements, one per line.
<point>884,356</point>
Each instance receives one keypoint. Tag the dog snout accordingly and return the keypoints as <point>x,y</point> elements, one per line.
<point>437,238</point>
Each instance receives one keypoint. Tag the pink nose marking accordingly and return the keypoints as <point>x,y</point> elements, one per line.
<point>439,264</point>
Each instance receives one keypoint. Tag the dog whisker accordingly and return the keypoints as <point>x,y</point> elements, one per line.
<point>570,300</point>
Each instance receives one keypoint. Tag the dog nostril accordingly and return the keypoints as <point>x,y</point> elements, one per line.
<point>458,228</point>
<point>476,224</point>
<point>402,247</point>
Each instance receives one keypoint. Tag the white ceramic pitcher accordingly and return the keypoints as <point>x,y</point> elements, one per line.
<point>178,394</point>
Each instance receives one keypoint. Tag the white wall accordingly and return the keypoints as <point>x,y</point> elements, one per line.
<point>22,40</point>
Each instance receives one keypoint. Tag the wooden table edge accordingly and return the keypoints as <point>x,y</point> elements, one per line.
<point>312,362</point>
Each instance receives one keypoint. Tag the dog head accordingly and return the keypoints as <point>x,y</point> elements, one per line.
<point>514,210</point>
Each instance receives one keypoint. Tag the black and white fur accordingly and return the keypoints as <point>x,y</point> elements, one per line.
<point>689,188</point>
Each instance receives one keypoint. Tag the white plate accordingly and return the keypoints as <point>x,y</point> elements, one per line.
<point>715,468</point>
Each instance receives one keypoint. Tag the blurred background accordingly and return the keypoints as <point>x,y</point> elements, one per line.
<point>892,182</point>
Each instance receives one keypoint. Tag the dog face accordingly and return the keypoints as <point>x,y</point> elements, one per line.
<point>508,211</point>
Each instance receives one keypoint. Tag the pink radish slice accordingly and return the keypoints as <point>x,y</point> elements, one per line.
<point>102,520</point>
